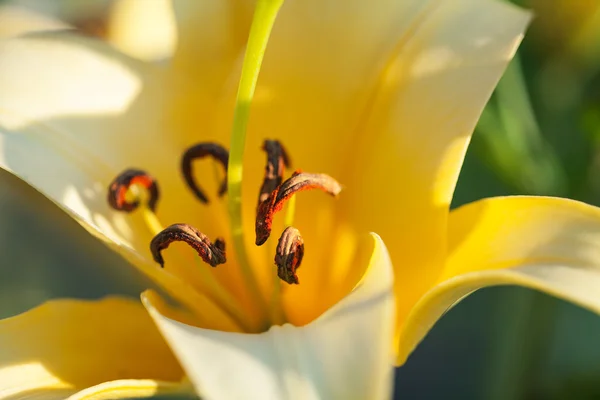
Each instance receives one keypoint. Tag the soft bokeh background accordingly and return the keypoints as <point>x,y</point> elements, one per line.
<point>540,134</point>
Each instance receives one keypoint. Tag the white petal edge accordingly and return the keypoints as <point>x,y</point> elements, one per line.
<point>128,388</point>
<point>346,353</point>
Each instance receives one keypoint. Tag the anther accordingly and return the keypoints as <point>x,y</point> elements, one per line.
<point>211,253</point>
<point>290,250</point>
<point>120,185</point>
<point>202,150</point>
<point>298,182</point>
<point>277,161</point>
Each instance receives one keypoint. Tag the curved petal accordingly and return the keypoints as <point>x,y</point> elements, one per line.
<point>69,128</point>
<point>548,244</point>
<point>64,346</point>
<point>321,67</point>
<point>413,141</point>
<point>346,353</point>
<point>132,388</point>
<point>93,112</point>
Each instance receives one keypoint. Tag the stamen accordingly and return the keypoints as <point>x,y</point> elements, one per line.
<point>290,251</point>
<point>211,253</point>
<point>202,150</point>
<point>298,182</point>
<point>277,161</point>
<point>118,188</point>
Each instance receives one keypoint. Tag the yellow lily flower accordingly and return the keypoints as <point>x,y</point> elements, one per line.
<point>382,96</point>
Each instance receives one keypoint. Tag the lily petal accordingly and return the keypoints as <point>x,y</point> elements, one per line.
<point>64,127</point>
<point>71,127</point>
<point>64,346</point>
<point>321,69</point>
<point>431,94</point>
<point>345,353</point>
<point>93,112</point>
<point>145,30</point>
<point>130,388</point>
<point>212,35</point>
<point>547,244</point>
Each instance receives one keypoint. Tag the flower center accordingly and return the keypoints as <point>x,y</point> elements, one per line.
<point>124,195</point>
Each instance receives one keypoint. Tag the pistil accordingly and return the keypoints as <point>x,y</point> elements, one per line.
<point>262,23</point>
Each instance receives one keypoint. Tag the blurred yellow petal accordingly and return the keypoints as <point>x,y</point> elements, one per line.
<point>211,38</point>
<point>18,20</point>
<point>143,29</point>
<point>64,346</point>
<point>346,353</point>
<point>412,143</point>
<point>548,244</point>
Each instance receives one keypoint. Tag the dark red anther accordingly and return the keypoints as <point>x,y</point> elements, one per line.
<point>202,150</point>
<point>211,253</point>
<point>298,182</point>
<point>120,185</point>
<point>277,162</point>
<point>290,251</point>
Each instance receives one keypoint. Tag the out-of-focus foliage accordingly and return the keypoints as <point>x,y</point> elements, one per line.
<point>540,130</point>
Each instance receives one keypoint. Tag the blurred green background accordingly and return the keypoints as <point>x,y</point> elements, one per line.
<point>540,134</point>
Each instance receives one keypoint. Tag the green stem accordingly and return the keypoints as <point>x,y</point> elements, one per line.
<point>262,23</point>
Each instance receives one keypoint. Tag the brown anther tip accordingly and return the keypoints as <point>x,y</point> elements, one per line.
<point>220,244</point>
<point>289,254</point>
<point>261,237</point>
<point>201,150</point>
<point>298,182</point>
<point>118,188</point>
<point>211,253</point>
<point>277,162</point>
<point>276,147</point>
